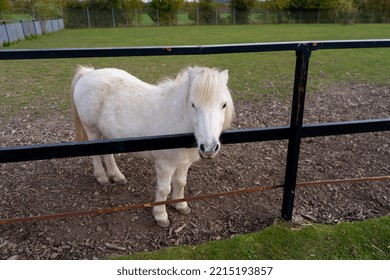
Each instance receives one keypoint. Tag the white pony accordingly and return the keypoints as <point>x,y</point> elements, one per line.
<point>110,103</point>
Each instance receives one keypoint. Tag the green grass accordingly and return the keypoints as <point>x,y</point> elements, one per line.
<point>367,240</point>
<point>252,76</point>
<point>202,35</point>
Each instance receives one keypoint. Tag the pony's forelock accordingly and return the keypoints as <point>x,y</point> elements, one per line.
<point>206,86</point>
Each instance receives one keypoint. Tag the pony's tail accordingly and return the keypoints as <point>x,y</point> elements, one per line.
<point>81,134</point>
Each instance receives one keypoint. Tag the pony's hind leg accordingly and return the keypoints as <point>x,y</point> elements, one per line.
<point>113,172</point>
<point>179,181</point>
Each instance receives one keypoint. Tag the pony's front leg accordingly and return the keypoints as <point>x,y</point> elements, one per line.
<point>164,177</point>
<point>113,171</point>
<point>99,171</point>
<point>179,182</point>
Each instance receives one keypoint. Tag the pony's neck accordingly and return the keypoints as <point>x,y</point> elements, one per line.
<point>175,95</point>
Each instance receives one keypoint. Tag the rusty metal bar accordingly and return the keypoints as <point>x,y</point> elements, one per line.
<point>188,199</point>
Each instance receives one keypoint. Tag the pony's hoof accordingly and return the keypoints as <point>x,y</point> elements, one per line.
<point>163,223</point>
<point>118,178</point>
<point>184,211</point>
<point>121,181</point>
<point>103,180</point>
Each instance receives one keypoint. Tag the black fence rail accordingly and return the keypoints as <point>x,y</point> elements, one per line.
<point>294,132</point>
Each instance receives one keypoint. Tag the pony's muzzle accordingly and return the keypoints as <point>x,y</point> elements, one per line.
<point>208,151</point>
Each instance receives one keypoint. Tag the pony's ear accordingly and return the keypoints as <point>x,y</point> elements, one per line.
<point>191,73</point>
<point>225,75</point>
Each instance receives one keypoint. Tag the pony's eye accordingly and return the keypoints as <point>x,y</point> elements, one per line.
<point>193,105</point>
<point>224,105</point>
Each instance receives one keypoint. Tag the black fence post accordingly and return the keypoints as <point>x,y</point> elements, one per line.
<point>295,135</point>
<point>6,31</point>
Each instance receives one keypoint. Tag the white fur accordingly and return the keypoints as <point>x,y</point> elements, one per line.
<point>110,103</point>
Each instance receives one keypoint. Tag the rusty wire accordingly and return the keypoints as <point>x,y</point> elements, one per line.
<point>187,199</point>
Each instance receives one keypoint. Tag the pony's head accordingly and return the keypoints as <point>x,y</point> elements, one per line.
<point>211,107</point>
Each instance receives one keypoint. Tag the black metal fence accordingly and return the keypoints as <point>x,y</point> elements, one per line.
<point>294,132</point>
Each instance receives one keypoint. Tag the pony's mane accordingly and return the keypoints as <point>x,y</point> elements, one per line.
<point>204,82</point>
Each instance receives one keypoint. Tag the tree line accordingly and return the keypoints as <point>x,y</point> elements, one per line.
<point>203,11</point>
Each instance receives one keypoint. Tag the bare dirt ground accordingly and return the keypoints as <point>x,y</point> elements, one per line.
<point>53,186</point>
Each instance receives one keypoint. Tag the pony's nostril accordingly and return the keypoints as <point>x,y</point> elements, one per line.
<point>209,149</point>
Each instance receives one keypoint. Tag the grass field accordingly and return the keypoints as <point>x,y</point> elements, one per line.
<point>252,75</point>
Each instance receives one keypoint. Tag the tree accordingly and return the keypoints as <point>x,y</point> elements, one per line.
<point>343,11</point>
<point>47,8</point>
<point>4,5</point>
<point>105,4</point>
<point>164,12</point>
<point>132,7</point>
<point>307,10</point>
<point>75,4</point>
<point>281,4</point>
<point>203,12</point>
<point>278,6</point>
<point>375,10</point>
<point>241,10</point>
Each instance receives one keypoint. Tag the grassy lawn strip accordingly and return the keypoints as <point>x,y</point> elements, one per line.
<point>204,35</point>
<point>366,240</point>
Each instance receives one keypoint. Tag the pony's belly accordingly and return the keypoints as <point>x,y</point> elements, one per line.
<point>175,156</point>
<point>147,155</point>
